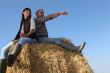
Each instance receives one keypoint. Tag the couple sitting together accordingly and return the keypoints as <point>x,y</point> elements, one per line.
<point>32,31</point>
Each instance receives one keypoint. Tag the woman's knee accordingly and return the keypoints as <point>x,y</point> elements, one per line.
<point>22,41</point>
<point>4,53</point>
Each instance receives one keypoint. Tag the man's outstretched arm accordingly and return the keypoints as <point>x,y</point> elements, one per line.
<point>52,16</point>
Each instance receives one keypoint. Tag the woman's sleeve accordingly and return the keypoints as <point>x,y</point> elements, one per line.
<point>32,24</point>
<point>22,29</point>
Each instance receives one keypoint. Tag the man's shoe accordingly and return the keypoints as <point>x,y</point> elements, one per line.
<point>80,48</point>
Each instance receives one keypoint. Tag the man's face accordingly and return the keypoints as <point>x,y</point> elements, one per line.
<point>40,14</point>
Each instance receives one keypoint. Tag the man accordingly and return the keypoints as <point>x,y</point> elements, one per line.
<point>42,32</point>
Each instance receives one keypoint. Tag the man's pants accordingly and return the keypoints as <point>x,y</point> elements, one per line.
<point>58,41</point>
<point>50,40</point>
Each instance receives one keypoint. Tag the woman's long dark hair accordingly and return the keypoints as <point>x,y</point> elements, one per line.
<point>26,9</point>
<point>22,19</point>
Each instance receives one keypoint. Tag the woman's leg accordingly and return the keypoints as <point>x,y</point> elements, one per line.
<point>18,48</point>
<point>3,65</point>
<point>3,58</point>
<point>15,52</point>
<point>5,50</point>
<point>22,42</point>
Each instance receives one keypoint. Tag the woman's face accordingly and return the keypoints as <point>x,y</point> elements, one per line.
<point>26,13</point>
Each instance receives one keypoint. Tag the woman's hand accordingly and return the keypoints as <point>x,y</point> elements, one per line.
<point>22,34</point>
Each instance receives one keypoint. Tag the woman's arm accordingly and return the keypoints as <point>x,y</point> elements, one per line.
<point>22,34</point>
<point>30,33</point>
<point>32,28</point>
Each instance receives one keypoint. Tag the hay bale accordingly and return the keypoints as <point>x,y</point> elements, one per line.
<point>48,58</point>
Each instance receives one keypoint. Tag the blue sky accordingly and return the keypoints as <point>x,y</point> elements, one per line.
<point>89,20</point>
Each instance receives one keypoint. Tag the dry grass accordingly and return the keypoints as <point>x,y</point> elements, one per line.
<point>48,58</point>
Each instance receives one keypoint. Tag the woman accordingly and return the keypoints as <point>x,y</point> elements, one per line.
<point>26,34</point>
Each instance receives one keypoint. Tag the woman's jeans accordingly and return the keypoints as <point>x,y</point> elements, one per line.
<point>21,41</point>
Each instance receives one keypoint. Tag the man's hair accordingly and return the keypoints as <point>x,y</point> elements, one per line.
<point>39,10</point>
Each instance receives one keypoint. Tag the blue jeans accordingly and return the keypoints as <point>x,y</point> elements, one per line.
<point>58,41</point>
<point>5,51</point>
<point>21,41</point>
<point>50,40</point>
